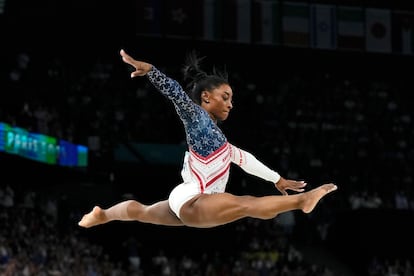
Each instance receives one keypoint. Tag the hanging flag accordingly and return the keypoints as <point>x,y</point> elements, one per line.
<point>149,17</point>
<point>295,24</point>
<point>178,18</point>
<point>323,31</point>
<point>266,22</point>
<point>403,32</point>
<point>237,21</point>
<point>208,20</point>
<point>378,30</point>
<point>351,28</point>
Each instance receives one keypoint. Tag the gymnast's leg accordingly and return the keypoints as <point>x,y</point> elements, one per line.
<point>218,209</point>
<point>132,210</point>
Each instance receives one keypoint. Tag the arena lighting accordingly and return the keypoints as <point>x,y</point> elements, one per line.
<point>41,148</point>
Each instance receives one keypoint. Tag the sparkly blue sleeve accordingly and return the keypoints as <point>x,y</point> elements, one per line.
<point>170,88</point>
<point>203,135</point>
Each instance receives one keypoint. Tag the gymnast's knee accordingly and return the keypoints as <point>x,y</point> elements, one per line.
<point>135,209</point>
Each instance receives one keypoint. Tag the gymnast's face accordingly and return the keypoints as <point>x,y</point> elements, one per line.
<point>218,102</point>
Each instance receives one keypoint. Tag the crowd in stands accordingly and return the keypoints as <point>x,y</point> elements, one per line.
<point>353,128</point>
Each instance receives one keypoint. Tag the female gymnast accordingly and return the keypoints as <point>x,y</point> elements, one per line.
<point>201,199</point>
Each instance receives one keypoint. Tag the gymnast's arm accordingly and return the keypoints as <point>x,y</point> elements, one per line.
<point>253,166</point>
<point>167,86</point>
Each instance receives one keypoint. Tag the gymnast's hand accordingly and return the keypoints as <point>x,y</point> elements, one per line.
<point>141,68</point>
<point>285,184</point>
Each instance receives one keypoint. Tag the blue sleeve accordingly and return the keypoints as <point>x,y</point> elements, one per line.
<point>202,133</point>
<point>171,89</point>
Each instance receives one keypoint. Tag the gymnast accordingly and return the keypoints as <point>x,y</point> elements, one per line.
<point>201,200</point>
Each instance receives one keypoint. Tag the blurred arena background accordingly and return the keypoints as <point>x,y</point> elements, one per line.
<point>322,92</point>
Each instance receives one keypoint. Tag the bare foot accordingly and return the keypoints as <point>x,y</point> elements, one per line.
<point>312,197</point>
<point>94,217</point>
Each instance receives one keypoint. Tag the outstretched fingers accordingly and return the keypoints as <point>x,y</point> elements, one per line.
<point>297,186</point>
<point>141,68</point>
<point>286,184</point>
<point>128,59</point>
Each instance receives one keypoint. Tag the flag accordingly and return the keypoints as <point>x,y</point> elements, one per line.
<point>403,32</point>
<point>149,17</point>
<point>351,24</point>
<point>266,22</point>
<point>323,23</point>
<point>378,30</point>
<point>178,18</point>
<point>295,24</point>
<point>208,20</point>
<point>237,21</point>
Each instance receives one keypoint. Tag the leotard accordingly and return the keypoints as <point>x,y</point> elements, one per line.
<point>206,165</point>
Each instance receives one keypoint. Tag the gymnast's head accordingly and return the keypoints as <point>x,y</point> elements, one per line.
<point>211,91</point>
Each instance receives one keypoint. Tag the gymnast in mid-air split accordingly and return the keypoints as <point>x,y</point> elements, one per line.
<point>201,199</point>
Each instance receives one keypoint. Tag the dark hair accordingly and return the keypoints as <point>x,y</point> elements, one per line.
<point>198,80</point>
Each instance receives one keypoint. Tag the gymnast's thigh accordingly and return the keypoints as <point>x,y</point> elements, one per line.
<point>181,194</point>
